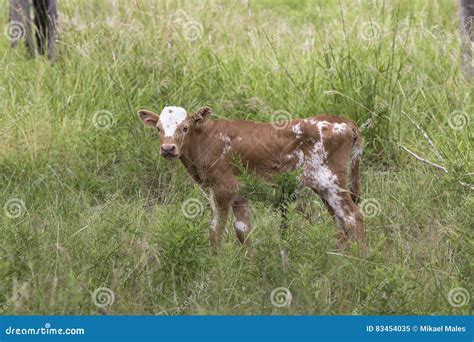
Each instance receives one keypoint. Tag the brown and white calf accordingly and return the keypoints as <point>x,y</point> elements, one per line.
<point>323,147</point>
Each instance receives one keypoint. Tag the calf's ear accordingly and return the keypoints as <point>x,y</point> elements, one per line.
<point>148,117</point>
<point>201,115</point>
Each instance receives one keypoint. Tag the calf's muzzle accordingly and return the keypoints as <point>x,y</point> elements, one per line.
<point>168,151</point>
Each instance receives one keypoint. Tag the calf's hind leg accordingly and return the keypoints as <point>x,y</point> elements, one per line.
<point>241,210</point>
<point>345,213</point>
<point>328,179</point>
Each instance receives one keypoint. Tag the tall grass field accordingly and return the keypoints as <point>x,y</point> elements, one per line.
<point>94,221</point>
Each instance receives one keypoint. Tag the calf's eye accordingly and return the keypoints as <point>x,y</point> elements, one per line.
<point>184,129</point>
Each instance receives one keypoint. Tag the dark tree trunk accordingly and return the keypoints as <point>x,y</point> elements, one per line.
<point>45,22</point>
<point>467,37</point>
<point>19,12</point>
<point>46,18</point>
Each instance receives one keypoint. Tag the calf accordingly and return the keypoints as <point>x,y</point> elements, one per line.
<point>321,147</point>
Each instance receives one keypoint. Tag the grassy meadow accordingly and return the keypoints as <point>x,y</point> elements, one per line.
<point>93,221</point>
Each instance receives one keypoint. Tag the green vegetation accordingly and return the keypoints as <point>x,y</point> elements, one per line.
<point>88,202</point>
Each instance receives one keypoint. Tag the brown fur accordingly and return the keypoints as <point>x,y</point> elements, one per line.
<point>322,146</point>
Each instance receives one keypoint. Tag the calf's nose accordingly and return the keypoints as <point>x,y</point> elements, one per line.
<point>168,148</point>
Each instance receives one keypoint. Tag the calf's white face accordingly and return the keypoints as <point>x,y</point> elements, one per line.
<point>173,125</point>
<point>171,118</point>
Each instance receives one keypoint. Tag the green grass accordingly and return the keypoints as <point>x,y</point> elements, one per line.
<point>101,209</point>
